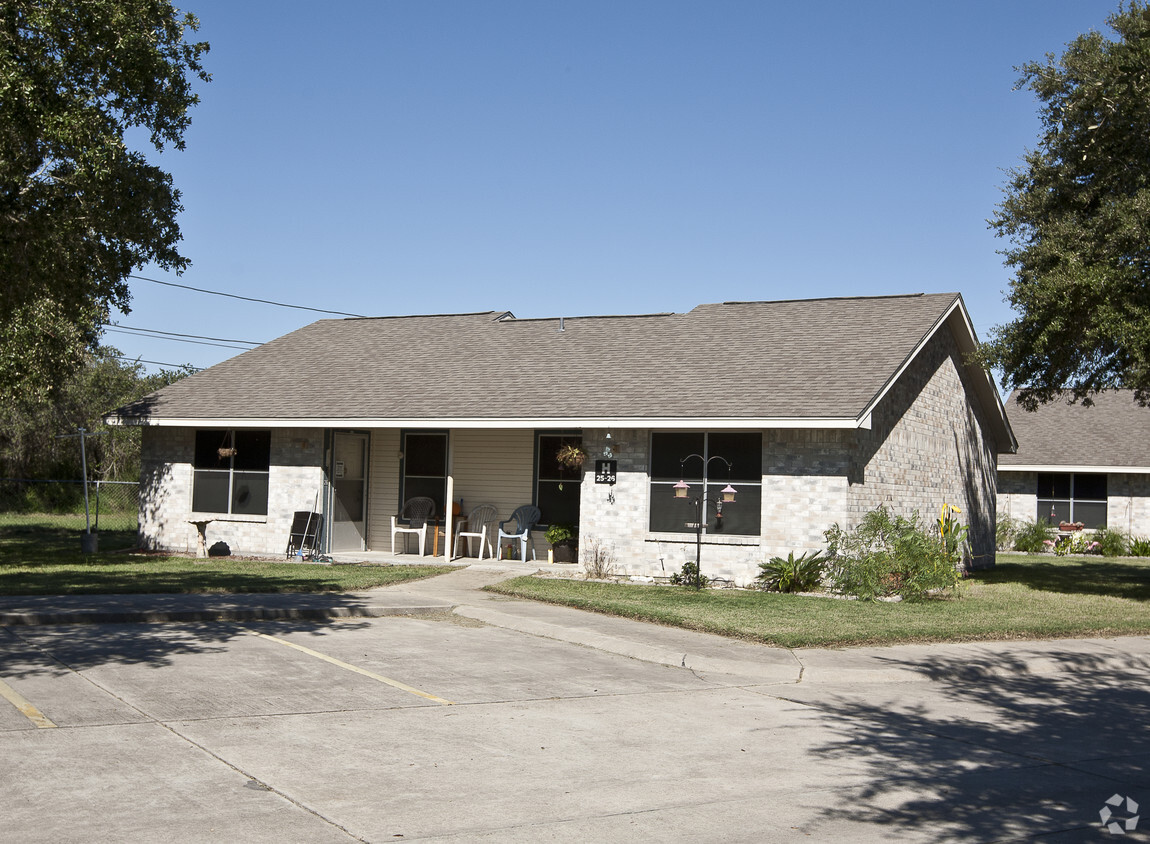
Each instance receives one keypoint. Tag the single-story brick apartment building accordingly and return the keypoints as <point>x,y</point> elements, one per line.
<point>820,410</point>
<point>1080,463</point>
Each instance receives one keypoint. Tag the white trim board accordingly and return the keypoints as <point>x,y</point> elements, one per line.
<point>1092,470</point>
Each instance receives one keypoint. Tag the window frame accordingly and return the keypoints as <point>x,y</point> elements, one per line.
<point>536,480</point>
<point>711,475</point>
<point>231,471</point>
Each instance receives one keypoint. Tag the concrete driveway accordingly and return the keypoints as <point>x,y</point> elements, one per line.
<point>509,721</point>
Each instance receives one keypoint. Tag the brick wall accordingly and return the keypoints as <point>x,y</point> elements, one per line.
<point>929,444</point>
<point>1018,495</point>
<point>1128,503</point>
<point>166,479</point>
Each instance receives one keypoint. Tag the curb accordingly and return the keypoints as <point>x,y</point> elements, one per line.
<point>33,619</point>
<point>758,673</point>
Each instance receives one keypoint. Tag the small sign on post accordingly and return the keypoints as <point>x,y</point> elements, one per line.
<point>606,471</point>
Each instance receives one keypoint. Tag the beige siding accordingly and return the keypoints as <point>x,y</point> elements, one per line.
<point>493,467</point>
<point>489,467</point>
<point>383,487</point>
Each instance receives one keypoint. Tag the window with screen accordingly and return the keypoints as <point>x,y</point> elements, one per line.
<point>425,467</point>
<point>230,472</point>
<point>744,451</point>
<point>1072,497</point>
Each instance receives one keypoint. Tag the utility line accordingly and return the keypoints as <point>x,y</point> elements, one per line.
<point>181,340</point>
<point>153,362</point>
<point>177,334</point>
<point>244,298</point>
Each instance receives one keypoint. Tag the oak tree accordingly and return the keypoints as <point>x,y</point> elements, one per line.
<point>80,209</point>
<point>1076,214</point>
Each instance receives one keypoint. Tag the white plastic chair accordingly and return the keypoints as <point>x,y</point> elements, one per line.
<point>478,522</point>
<point>419,512</point>
<point>525,518</point>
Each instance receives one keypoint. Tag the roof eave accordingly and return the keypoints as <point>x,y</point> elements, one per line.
<point>616,422</point>
<point>1074,467</point>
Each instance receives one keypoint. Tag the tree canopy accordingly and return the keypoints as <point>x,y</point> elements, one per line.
<point>30,443</point>
<point>79,210</point>
<point>1077,215</point>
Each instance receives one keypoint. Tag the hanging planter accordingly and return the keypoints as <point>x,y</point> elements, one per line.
<point>571,456</point>
<point>225,453</point>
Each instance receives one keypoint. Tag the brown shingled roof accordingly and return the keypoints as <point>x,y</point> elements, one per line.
<point>822,358</point>
<point>1115,431</point>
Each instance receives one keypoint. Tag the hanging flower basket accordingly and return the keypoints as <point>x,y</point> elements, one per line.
<point>571,456</point>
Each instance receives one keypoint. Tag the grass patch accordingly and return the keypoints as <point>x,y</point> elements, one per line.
<point>1023,598</point>
<point>45,559</point>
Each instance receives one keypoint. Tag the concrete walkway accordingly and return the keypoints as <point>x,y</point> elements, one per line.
<point>461,592</point>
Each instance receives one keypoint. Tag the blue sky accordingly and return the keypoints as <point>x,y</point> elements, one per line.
<point>558,159</point>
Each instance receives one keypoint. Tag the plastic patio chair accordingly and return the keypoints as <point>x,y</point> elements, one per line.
<point>479,522</point>
<point>525,518</point>
<point>419,512</point>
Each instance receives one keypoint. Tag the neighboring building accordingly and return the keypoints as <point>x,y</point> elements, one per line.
<point>825,409</point>
<point>1080,464</point>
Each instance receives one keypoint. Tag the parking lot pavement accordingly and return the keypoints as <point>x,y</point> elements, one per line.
<point>446,728</point>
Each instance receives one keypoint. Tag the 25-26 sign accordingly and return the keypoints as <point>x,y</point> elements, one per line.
<point>605,471</point>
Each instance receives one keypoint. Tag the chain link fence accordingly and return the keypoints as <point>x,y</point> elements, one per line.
<point>59,505</point>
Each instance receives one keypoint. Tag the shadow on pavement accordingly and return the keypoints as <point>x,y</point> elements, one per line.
<point>995,752</point>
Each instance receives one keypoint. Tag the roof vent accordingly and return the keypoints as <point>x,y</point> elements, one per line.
<point>561,328</point>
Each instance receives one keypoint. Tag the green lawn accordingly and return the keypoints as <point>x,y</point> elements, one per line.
<point>37,557</point>
<point>1023,597</point>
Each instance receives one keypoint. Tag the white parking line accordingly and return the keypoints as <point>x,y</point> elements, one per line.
<point>387,680</point>
<point>26,709</point>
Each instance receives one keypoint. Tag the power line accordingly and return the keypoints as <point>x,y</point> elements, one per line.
<point>177,334</point>
<point>154,362</point>
<point>244,298</point>
<point>181,340</point>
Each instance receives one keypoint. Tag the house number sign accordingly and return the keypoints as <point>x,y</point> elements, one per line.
<point>605,471</point>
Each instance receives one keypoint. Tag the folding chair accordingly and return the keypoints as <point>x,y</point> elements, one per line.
<point>303,538</point>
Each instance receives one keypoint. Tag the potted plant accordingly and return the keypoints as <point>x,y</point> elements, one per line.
<point>564,546</point>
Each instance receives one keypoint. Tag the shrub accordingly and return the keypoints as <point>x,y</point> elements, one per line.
<point>688,576</point>
<point>1004,533</point>
<point>1139,547</point>
<point>1033,537</point>
<point>1111,542</point>
<point>598,559</point>
<point>889,555</point>
<point>792,575</point>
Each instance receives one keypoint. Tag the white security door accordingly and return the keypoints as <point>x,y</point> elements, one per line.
<point>349,488</point>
